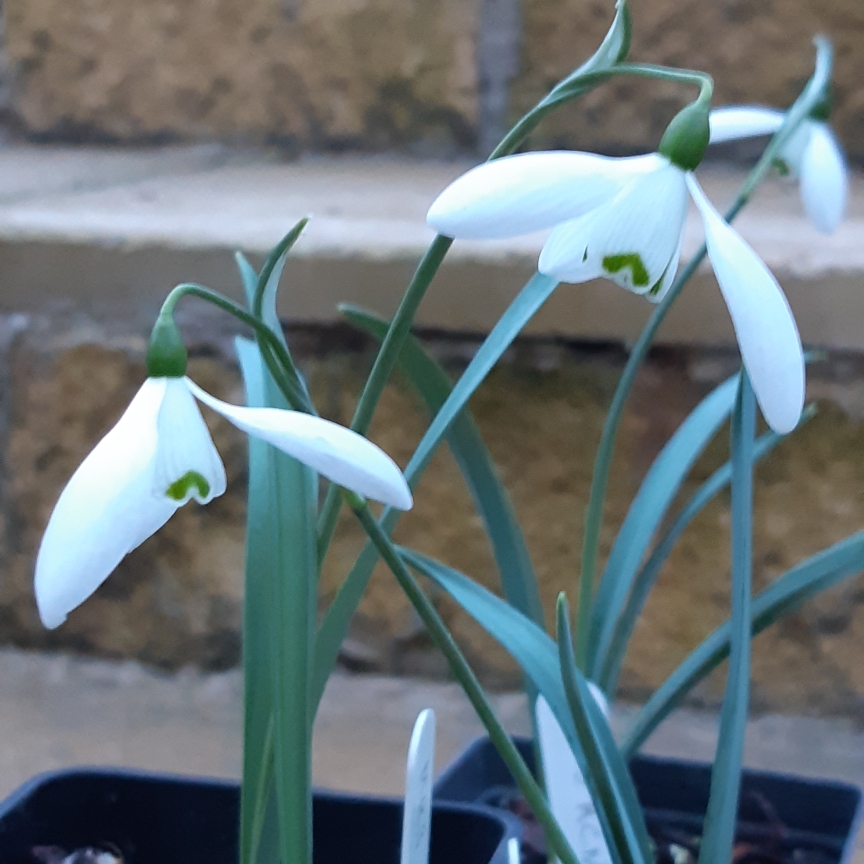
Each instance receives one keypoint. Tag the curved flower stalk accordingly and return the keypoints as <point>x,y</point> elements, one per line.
<point>812,153</point>
<point>157,457</point>
<point>623,219</point>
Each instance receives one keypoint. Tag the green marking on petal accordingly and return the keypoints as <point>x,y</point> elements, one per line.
<point>633,261</point>
<point>782,167</point>
<point>179,489</point>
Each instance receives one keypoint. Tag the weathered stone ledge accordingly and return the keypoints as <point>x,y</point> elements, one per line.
<point>110,232</point>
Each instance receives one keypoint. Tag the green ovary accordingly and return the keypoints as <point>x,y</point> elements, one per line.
<point>631,261</point>
<point>179,489</point>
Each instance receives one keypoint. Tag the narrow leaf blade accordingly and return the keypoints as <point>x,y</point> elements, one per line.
<point>582,707</point>
<point>655,495</point>
<point>334,626</point>
<point>650,570</point>
<point>491,499</point>
<point>787,593</point>
<point>257,602</point>
<point>537,654</point>
<point>718,835</point>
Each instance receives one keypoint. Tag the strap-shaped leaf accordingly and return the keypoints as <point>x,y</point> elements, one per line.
<point>653,499</point>
<point>537,654</point>
<point>491,499</point>
<point>279,619</point>
<point>257,638</point>
<point>784,595</point>
<point>718,834</point>
<point>583,706</point>
<point>647,576</point>
<point>334,626</point>
<point>294,613</point>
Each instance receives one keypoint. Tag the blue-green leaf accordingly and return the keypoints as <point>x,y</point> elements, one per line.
<point>653,499</point>
<point>613,49</point>
<point>718,834</point>
<point>282,571</point>
<point>432,383</point>
<point>647,576</point>
<point>582,707</point>
<point>537,654</point>
<point>334,626</point>
<point>784,595</point>
<point>257,639</point>
<point>267,286</point>
<point>248,276</point>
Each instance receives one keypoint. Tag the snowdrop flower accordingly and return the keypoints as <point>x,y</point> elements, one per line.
<point>157,457</point>
<point>623,219</point>
<point>812,153</point>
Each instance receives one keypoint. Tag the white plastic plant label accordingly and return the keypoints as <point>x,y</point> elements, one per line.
<point>569,798</point>
<point>417,816</point>
<point>514,854</point>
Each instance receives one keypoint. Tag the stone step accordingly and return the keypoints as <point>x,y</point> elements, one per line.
<point>110,231</point>
<point>59,711</point>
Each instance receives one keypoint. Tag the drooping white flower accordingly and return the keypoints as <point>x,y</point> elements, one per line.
<point>812,154</point>
<point>623,219</point>
<point>157,457</point>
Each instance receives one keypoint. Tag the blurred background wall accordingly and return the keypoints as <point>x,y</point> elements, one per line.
<point>435,77</point>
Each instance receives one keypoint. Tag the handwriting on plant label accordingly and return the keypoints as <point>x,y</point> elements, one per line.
<point>417,816</point>
<point>568,793</point>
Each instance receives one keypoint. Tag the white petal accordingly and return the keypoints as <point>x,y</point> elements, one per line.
<point>343,456</point>
<point>530,192</point>
<point>743,121</point>
<point>669,276</point>
<point>632,239</point>
<point>187,464</point>
<point>764,324</point>
<point>105,511</point>
<point>823,179</point>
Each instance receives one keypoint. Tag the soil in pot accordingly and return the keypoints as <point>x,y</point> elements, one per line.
<point>782,819</point>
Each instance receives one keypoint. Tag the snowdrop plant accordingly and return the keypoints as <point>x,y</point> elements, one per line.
<point>620,219</point>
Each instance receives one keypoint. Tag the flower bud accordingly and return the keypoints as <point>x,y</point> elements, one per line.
<point>166,353</point>
<point>686,138</point>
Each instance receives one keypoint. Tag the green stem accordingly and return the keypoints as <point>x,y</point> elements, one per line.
<point>400,326</point>
<point>811,94</point>
<point>382,369</point>
<point>577,85</point>
<point>277,358</point>
<point>467,679</point>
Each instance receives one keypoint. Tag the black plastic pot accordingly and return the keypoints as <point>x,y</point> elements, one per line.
<point>158,819</point>
<point>820,817</point>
